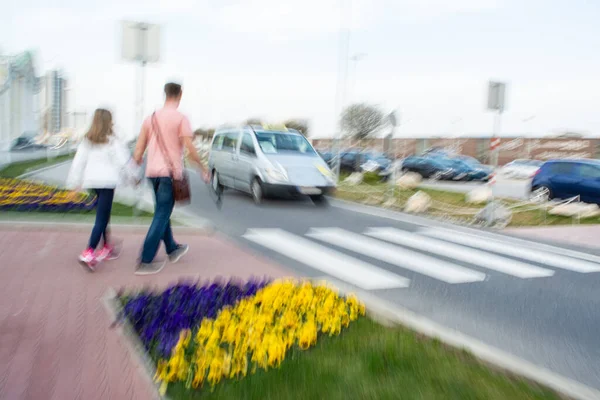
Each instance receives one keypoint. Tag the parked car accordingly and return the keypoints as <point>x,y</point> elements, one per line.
<point>521,169</point>
<point>265,162</point>
<point>562,179</point>
<point>327,156</point>
<point>359,160</point>
<point>466,170</point>
<point>429,167</point>
<point>26,142</point>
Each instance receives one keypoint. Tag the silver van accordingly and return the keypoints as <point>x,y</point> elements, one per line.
<point>264,162</point>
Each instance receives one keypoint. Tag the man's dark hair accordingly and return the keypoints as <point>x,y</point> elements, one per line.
<point>172,90</point>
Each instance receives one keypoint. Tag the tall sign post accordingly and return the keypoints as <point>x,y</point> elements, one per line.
<point>496,103</point>
<point>388,143</point>
<point>140,44</point>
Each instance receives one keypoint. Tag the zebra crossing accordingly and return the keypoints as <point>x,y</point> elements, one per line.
<point>437,253</point>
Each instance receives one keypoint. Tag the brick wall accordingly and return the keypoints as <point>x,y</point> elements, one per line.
<point>510,148</point>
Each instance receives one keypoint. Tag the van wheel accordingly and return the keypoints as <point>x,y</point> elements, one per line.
<point>215,182</point>
<point>318,199</point>
<point>256,190</point>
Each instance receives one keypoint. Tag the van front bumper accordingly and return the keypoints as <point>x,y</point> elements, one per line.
<point>274,189</point>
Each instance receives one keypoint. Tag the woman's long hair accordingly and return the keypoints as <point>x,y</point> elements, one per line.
<point>102,127</point>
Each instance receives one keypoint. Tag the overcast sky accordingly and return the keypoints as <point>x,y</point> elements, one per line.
<point>429,59</point>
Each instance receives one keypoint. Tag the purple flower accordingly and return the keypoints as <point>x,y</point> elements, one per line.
<point>159,317</point>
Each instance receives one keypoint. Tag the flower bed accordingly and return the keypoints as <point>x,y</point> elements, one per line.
<point>21,195</point>
<point>197,334</point>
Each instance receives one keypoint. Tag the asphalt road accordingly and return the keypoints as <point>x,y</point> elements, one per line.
<point>549,320</point>
<point>540,305</point>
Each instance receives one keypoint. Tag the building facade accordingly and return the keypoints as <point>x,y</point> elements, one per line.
<point>509,150</point>
<point>18,97</point>
<point>53,102</point>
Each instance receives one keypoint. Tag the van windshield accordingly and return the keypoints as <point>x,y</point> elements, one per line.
<point>281,143</point>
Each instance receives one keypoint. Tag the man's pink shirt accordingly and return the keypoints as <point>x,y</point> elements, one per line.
<point>173,125</point>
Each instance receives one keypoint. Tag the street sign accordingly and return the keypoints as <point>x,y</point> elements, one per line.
<point>140,42</point>
<point>496,91</point>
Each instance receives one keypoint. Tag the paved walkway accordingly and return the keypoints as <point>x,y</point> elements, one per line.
<point>55,341</point>
<point>578,235</point>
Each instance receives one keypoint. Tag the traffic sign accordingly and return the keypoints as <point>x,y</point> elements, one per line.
<point>496,92</point>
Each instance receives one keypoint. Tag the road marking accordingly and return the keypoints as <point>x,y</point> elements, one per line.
<point>466,254</point>
<point>512,249</point>
<point>543,246</point>
<point>398,256</point>
<point>349,269</point>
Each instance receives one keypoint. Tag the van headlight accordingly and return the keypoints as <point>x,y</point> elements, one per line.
<point>326,172</point>
<point>276,174</point>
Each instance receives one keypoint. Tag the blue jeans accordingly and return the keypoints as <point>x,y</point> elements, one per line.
<point>160,229</point>
<point>103,208</point>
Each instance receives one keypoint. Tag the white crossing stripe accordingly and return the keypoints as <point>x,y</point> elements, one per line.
<point>514,250</point>
<point>542,246</point>
<point>349,269</point>
<point>398,256</point>
<point>457,252</point>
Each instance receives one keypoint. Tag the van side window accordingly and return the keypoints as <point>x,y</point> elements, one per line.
<point>230,141</point>
<point>218,142</point>
<point>247,146</point>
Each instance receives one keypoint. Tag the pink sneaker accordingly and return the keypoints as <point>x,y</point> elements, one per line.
<point>106,253</point>
<point>88,259</point>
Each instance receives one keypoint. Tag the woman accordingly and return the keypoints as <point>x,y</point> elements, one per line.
<point>100,165</point>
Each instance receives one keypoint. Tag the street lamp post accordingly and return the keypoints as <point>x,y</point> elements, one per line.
<point>355,60</point>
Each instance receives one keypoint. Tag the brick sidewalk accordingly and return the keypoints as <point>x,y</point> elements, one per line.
<point>55,341</point>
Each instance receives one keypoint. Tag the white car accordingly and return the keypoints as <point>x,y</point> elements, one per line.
<point>521,169</point>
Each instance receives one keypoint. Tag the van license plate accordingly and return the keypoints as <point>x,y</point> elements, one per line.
<point>310,190</point>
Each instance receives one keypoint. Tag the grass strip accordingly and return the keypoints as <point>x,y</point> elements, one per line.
<point>369,361</point>
<point>376,194</point>
<point>19,168</point>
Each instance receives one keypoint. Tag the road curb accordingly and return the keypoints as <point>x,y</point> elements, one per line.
<point>137,352</point>
<point>389,314</point>
<point>36,226</point>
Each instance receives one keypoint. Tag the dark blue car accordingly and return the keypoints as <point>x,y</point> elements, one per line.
<point>429,167</point>
<point>562,179</point>
<point>465,169</point>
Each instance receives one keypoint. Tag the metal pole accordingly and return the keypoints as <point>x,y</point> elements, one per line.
<point>494,156</point>
<point>342,81</point>
<point>142,55</point>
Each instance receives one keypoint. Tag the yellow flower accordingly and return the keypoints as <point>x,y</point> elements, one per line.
<point>259,330</point>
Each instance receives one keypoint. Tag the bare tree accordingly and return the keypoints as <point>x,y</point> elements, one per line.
<point>301,125</point>
<point>360,121</point>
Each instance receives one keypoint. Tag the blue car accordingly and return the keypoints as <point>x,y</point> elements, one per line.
<point>562,179</point>
<point>478,171</point>
<point>429,167</point>
<point>465,169</point>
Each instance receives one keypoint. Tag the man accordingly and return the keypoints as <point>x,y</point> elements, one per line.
<point>176,134</point>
